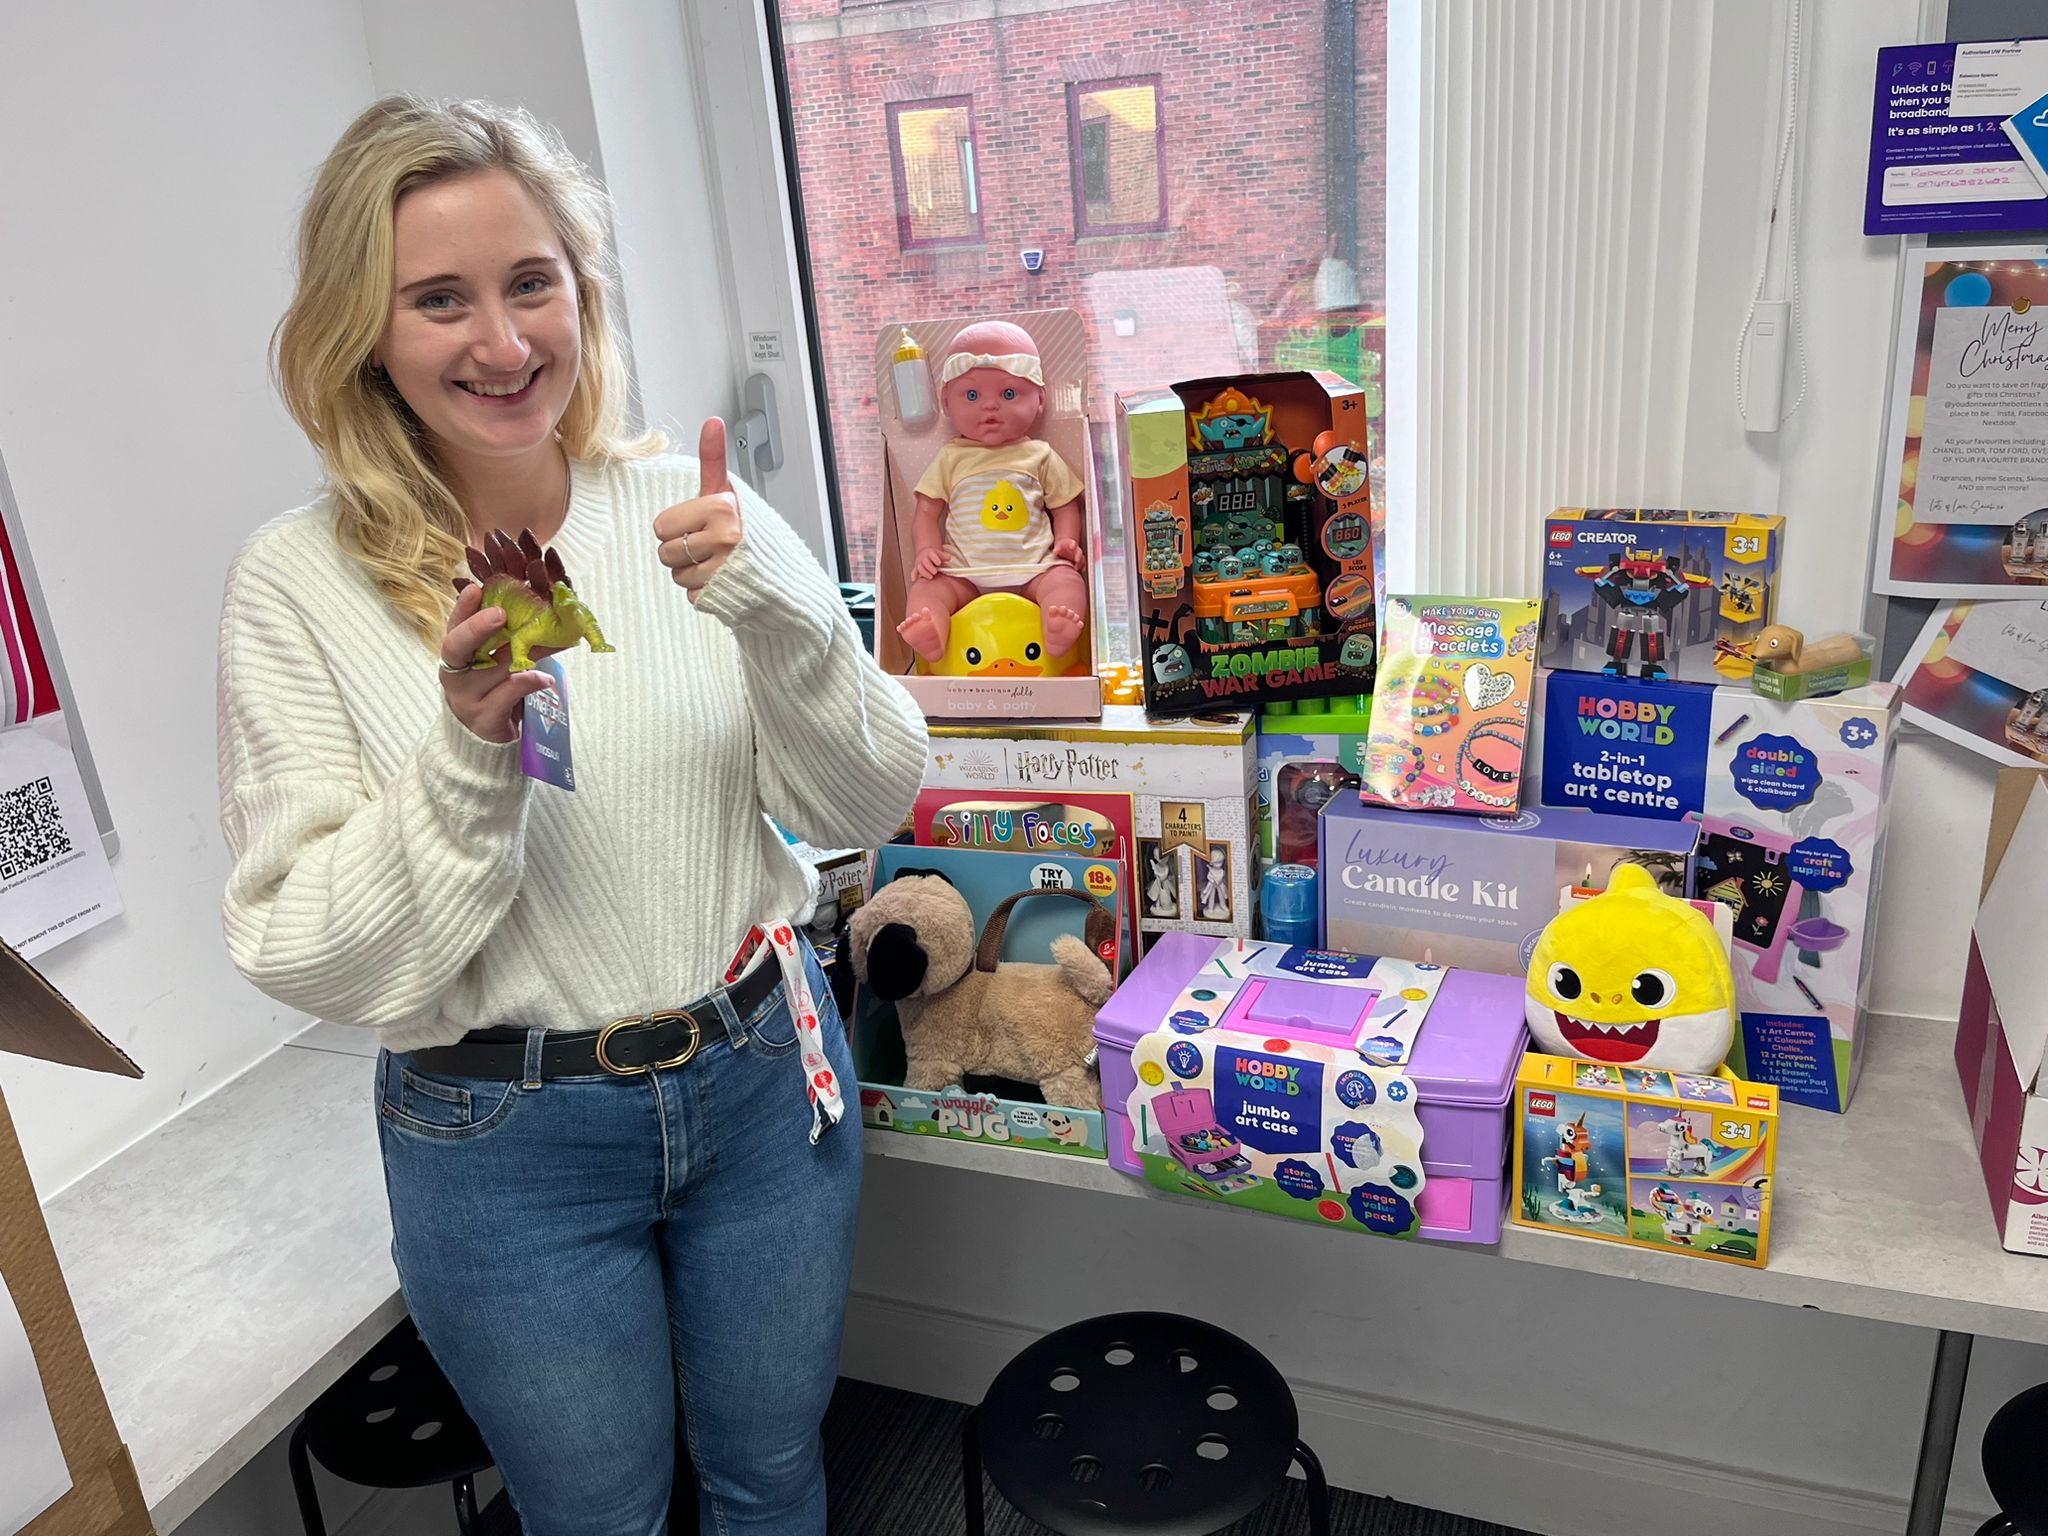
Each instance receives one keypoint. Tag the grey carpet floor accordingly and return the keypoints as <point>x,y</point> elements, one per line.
<point>892,1460</point>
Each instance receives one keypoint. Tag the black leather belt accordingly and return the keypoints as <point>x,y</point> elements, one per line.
<point>623,1048</point>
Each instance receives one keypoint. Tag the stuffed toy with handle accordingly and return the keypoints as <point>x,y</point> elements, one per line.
<point>965,1009</point>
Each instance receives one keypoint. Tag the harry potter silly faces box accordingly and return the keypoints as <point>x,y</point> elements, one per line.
<point>1258,561</point>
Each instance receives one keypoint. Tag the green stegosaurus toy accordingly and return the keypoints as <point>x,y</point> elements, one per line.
<point>530,585</point>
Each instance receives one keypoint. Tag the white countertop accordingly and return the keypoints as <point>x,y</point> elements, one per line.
<point>229,1267</point>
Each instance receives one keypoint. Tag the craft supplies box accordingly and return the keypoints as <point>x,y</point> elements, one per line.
<point>1638,1155</point>
<point>1318,734</point>
<point>907,451</point>
<point>1726,563</point>
<point>984,878</point>
<point>1463,1066</point>
<point>1217,467</point>
<point>1793,800</point>
<point>1192,785</point>
<point>2004,1027</point>
<point>103,1498</point>
<point>1472,891</point>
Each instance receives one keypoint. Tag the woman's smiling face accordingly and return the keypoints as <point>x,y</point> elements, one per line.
<point>484,337</point>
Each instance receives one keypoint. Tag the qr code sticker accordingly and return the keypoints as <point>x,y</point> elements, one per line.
<point>31,828</point>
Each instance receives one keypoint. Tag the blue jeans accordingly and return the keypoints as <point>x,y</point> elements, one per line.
<point>585,1256</point>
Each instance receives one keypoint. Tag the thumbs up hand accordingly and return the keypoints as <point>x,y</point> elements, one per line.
<point>697,535</point>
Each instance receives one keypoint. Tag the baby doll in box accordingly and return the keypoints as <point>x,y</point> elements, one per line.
<point>999,510</point>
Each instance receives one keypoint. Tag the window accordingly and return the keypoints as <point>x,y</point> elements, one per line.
<point>1119,153</point>
<point>938,197</point>
<point>1043,128</point>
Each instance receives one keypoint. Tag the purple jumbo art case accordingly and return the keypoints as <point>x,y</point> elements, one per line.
<point>1463,1065</point>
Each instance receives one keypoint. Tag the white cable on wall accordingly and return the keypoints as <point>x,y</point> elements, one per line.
<point>1771,327</point>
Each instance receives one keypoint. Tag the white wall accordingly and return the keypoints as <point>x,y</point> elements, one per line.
<point>155,159</point>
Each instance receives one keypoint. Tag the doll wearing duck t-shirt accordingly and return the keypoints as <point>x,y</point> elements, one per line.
<point>999,510</point>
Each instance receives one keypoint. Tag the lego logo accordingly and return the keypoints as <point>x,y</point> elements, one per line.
<point>1561,538</point>
<point>1543,1104</point>
<point>1757,1101</point>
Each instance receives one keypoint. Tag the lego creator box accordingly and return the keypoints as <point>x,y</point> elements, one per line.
<point>1792,837</point>
<point>1307,752</point>
<point>1646,592</point>
<point>997,1111</point>
<point>1253,534</point>
<point>996,515</point>
<point>1192,785</point>
<point>2003,1030</point>
<point>1472,891</point>
<point>1639,1155</point>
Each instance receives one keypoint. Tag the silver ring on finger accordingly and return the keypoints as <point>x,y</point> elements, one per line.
<point>454,671</point>
<point>687,553</point>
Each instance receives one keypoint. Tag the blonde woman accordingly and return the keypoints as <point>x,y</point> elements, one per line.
<point>596,1228</point>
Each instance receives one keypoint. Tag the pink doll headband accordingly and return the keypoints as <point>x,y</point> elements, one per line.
<point>1023,365</point>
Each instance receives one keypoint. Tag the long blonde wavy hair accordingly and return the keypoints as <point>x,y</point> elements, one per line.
<point>395,514</point>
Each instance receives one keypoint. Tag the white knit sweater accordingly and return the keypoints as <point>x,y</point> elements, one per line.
<point>393,870</point>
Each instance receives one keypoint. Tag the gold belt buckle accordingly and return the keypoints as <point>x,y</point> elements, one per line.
<point>604,1035</point>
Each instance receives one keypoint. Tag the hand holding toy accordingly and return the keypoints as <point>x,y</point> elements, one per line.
<point>529,590</point>
<point>1789,651</point>
<point>485,696</point>
<point>697,536</point>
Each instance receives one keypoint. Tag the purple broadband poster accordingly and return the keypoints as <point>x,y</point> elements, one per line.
<point>1952,139</point>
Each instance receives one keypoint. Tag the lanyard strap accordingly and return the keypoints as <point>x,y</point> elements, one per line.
<point>828,1108</point>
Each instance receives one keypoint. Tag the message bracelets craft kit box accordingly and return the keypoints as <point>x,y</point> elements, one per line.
<point>1792,805</point>
<point>1473,891</point>
<point>1364,1094</point>
<point>1259,565</point>
<point>1640,1155</point>
<point>63,1467</point>
<point>1652,592</point>
<point>1008,673</point>
<point>2003,1032</point>
<point>1193,784</point>
<point>984,879</point>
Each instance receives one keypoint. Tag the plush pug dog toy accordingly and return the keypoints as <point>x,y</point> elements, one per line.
<point>963,1008</point>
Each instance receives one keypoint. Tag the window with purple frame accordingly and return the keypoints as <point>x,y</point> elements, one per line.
<point>1117,143</point>
<point>931,151</point>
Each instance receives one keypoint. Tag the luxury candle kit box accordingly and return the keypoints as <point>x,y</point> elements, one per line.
<point>1791,803</point>
<point>1473,891</point>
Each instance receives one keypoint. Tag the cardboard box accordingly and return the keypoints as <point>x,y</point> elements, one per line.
<point>984,878</point>
<point>1472,891</point>
<point>1307,752</point>
<point>907,451</point>
<point>1794,800</point>
<point>1253,537</point>
<point>1192,785</point>
<point>1603,568</point>
<point>1639,1155</point>
<point>104,1498</point>
<point>2003,1029</point>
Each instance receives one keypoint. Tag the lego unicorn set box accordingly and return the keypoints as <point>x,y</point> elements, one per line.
<point>1669,1160</point>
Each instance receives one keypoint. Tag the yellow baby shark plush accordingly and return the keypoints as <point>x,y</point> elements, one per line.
<point>1633,977</point>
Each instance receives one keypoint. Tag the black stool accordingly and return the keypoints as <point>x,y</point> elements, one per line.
<point>392,1421</point>
<point>1138,1422</point>
<point>2016,1465</point>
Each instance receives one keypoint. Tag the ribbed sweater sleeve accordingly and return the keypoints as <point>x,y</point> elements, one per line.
<point>841,744</point>
<point>360,907</point>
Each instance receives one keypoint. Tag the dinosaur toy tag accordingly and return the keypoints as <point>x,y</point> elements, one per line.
<point>544,730</point>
